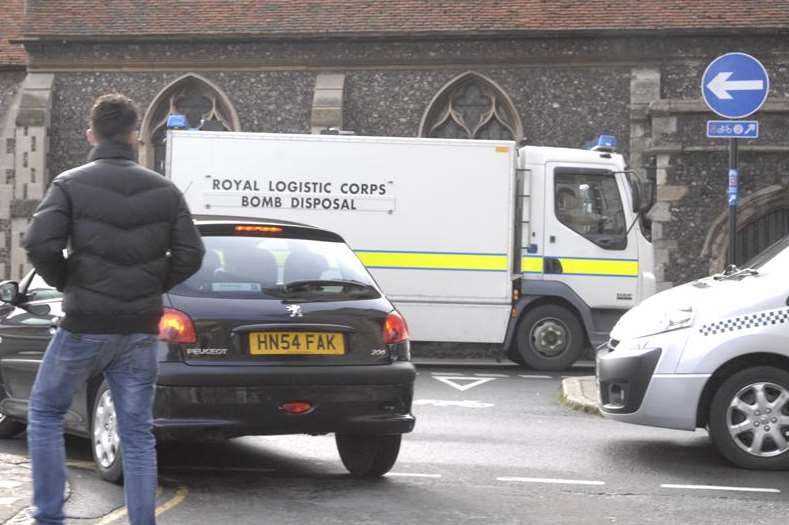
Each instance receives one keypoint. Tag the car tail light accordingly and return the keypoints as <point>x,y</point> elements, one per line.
<point>176,327</point>
<point>242,228</point>
<point>395,329</point>
<point>296,407</point>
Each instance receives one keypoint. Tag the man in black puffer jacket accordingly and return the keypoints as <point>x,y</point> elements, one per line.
<point>129,237</point>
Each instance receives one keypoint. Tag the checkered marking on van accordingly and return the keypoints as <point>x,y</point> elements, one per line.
<point>743,322</point>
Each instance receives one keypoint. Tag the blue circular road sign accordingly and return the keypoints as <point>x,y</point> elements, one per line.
<point>735,85</point>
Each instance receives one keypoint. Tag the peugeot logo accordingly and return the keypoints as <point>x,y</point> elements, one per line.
<point>294,310</point>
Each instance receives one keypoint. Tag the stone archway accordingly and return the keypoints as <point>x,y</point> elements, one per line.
<point>205,105</point>
<point>751,209</point>
<point>471,106</point>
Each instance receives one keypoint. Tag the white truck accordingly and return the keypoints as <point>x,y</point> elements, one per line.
<point>537,249</point>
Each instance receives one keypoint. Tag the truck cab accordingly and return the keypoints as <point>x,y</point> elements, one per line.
<point>586,257</point>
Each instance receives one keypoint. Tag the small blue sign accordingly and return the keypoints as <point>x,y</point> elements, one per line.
<point>732,129</point>
<point>733,186</point>
<point>735,85</point>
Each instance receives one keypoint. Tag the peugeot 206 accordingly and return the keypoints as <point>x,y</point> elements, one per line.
<point>281,331</point>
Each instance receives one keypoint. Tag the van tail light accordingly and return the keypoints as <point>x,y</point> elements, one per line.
<point>395,329</point>
<point>177,327</point>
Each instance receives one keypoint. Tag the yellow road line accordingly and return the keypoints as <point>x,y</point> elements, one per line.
<point>180,495</point>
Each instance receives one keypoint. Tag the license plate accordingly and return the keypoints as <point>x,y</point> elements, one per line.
<point>296,343</point>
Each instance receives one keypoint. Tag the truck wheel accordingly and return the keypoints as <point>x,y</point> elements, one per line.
<point>368,456</point>
<point>105,439</point>
<point>10,428</point>
<point>749,418</point>
<point>514,355</point>
<point>550,337</point>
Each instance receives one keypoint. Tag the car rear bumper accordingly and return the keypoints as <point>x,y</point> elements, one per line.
<point>236,401</point>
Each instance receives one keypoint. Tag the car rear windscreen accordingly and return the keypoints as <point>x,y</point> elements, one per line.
<point>256,267</point>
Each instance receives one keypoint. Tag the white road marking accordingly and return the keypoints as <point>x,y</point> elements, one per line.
<point>533,376</point>
<point>196,468</point>
<point>718,487</point>
<point>5,484</point>
<point>443,403</point>
<point>552,480</point>
<point>411,475</point>
<point>491,375</point>
<point>472,382</point>
<point>446,374</point>
<point>8,501</point>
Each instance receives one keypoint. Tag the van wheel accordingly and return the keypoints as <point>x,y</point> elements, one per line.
<point>10,428</point>
<point>105,440</point>
<point>550,337</point>
<point>368,456</point>
<point>749,418</point>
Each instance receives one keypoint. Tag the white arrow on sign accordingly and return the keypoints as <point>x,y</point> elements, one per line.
<point>720,85</point>
<point>472,382</point>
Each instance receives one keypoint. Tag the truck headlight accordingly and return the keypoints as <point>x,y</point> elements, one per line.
<point>674,319</point>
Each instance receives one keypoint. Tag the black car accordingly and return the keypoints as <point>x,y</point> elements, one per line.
<point>282,331</point>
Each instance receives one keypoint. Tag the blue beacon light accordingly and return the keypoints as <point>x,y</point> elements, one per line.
<point>177,122</point>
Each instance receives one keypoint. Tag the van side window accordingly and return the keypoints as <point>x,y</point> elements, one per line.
<point>589,203</point>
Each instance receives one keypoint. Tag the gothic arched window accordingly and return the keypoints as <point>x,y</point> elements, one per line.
<point>472,107</point>
<point>205,106</point>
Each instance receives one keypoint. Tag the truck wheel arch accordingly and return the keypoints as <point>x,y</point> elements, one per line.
<point>728,369</point>
<point>549,292</point>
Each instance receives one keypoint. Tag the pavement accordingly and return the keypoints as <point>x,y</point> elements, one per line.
<point>580,393</point>
<point>15,485</point>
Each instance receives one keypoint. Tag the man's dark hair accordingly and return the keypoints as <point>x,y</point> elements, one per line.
<point>113,117</point>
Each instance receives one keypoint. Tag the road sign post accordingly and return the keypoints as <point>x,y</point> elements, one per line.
<point>733,197</point>
<point>734,86</point>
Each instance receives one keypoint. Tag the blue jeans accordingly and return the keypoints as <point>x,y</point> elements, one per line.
<point>129,364</point>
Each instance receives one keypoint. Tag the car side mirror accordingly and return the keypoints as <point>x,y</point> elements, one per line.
<point>9,292</point>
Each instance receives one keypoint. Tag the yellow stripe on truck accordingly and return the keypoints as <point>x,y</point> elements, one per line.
<point>626,268</point>
<point>482,262</point>
<point>593,267</point>
<point>434,261</point>
<point>531,264</point>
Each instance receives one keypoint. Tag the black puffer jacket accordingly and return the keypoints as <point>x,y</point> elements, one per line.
<point>130,237</point>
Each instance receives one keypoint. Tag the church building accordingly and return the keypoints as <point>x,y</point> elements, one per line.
<point>546,72</point>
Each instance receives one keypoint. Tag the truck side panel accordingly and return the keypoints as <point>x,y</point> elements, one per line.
<point>433,220</point>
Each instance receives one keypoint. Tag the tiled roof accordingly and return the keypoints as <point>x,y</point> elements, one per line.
<point>283,18</point>
<point>11,16</point>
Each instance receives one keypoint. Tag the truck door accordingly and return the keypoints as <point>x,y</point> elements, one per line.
<point>587,243</point>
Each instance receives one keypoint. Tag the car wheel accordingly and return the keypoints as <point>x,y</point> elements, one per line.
<point>550,337</point>
<point>749,418</point>
<point>10,428</point>
<point>368,456</point>
<point>105,440</point>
